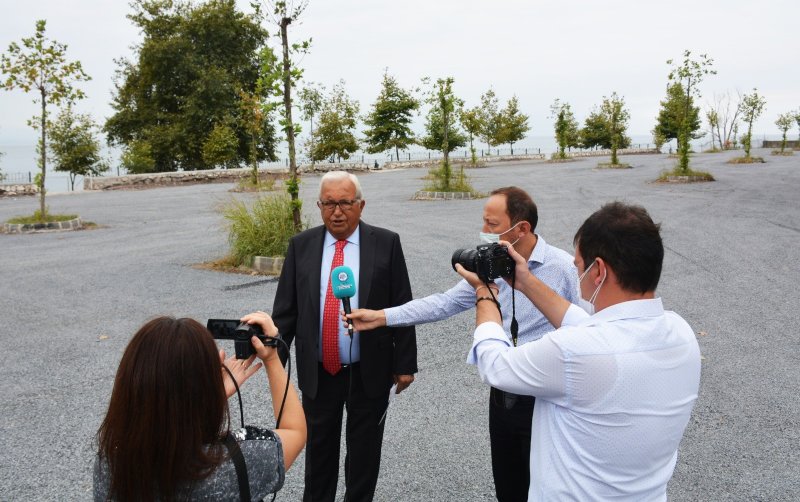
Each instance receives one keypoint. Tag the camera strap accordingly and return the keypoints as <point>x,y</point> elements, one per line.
<point>514,323</point>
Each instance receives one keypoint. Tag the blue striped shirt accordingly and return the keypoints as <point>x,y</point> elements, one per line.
<point>551,265</point>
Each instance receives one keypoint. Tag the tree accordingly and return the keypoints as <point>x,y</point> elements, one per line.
<point>389,122</point>
<point>616,120</point>
<point>751,107</point>
<point>288,73</point>
<point>784,123</point>
<point>472,121</point>
<point>335,135</point>
<point>727,119</point>
<point>75,148</point>
<point>41,65</point>
<point>137,157</point>
<point>713,125</point>
<point>221,146</point>
<point>189,75</point>
<point>512,125</point>
<point>689,74</point>
<point>490,118</point>
<point>311,100</point>
<point>597,132</point>
<point>671,116</point>
<point>443,134</point>
<point>797,119</point>
<point>566,127</point>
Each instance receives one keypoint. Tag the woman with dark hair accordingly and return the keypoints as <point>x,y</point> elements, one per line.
<point>163,437</point>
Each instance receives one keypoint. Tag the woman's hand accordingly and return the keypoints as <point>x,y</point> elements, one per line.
<point>241,369</point>
<point>266,354</point>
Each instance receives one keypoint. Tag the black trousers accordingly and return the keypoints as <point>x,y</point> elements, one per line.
<point>363,437</point>
<point>510,419</point>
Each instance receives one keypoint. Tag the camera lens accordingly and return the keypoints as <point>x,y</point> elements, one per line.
<point>466,257</point>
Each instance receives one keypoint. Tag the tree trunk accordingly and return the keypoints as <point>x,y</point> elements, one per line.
<point>42,207</point>
<point>294,187</point>
<point>312,141</point>
<point>446,146</point>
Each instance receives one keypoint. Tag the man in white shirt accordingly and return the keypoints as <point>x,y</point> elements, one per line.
<point>614,389</point>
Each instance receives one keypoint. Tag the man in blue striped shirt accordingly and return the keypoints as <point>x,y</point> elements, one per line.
<point>511,215</point>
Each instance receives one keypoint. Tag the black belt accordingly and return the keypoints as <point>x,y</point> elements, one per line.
<point>509,400</point>
<point>354,365</point>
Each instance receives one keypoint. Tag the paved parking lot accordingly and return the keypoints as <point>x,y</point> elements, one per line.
<point>70,301</point>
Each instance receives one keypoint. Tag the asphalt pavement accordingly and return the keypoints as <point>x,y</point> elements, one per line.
<point>70,301</point>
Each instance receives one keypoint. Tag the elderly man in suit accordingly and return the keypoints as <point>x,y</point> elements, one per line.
<point>334,370</point>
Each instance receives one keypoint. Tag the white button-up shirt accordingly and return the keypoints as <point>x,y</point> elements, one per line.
<point>551,265</point>
<point>614,392</point>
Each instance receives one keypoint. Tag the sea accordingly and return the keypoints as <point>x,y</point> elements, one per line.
<point>18,162</point>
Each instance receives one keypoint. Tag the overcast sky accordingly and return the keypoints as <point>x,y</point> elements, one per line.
<point>575,50</point>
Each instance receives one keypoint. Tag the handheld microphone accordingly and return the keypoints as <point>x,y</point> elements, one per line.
<point>344,287</point>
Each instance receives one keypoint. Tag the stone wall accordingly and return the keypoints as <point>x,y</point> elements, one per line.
<point>777,144</point>
<point>151,180</point>
<point>18,189</point>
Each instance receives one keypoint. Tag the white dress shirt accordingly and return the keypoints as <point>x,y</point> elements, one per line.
<point>614,392</point>
<point>551,265</point>
<point>352,258</point>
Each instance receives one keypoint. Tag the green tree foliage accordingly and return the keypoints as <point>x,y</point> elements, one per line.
<point>671,116</point>
<point>137,158</point>
<point>797,119</point>
<point>751,107</point>
<point>189,75</point>
<point>74,145</point>
<point>335,134</point>
<point>512,125</point>
<point>40,65</point>
<point>472,121</point>
<point>598,133</point>
<point>490,118</point>
<point>311,101</point>
<point>616,118</point>
<point>566,127</point>
<point>784,123</point>
<point>442,129</point>
<point>389,121</point>
<point>689,74</point>
<point>221,147</point>
<point>713,125</point>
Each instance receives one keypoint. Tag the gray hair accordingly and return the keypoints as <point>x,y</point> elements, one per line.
<point>341,176</point>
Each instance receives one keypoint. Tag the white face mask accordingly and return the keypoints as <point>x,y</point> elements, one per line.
<point>489,238</point>
<point>588,305</point>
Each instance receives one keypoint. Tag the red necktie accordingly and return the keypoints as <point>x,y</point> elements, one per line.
<point>330,319</point>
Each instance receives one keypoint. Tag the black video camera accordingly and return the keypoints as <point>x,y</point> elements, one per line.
<point>489,261</point>
<point>240,333</point>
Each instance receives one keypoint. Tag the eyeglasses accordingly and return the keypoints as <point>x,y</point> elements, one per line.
<point>330,205</point>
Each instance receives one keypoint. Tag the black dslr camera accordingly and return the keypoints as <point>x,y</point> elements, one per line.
<point>489,261</point>
<point>240,333</point>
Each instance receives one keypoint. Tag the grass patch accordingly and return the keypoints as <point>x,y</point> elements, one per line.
<point>458,181</point>
<point>264,230</point>
<point>227,264</point>
<point>785,153</point>
<point>246,185</point>
<point>609,165</point>
<point>686,176</point>
<point>37,218</point>
<point>746,160</point>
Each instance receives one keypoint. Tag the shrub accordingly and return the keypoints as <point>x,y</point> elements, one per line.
<point>264,230</point>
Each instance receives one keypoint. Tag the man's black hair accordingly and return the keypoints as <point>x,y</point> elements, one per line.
<point>628,240</point>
